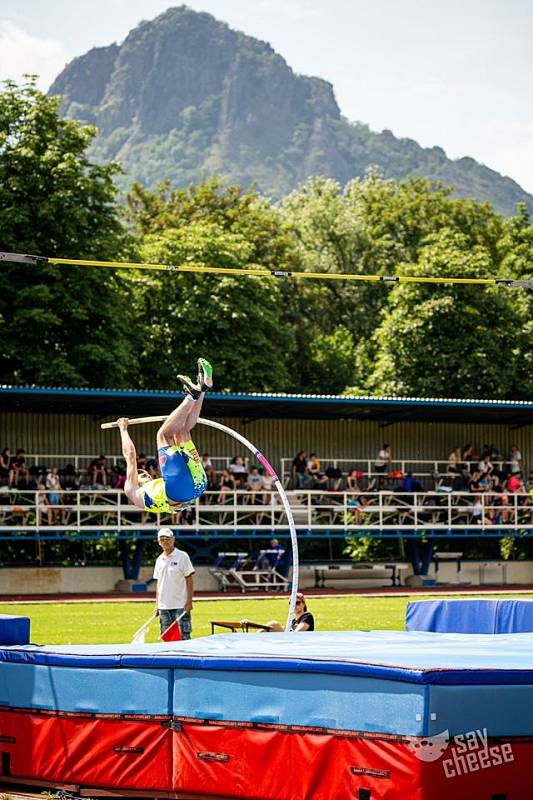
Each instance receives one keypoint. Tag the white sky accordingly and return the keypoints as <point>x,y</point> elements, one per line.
<point>454,73</point>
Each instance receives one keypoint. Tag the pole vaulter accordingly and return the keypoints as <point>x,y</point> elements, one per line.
<point>256,453</point>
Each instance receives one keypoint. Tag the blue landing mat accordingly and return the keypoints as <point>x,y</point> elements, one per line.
<point>410,683</point>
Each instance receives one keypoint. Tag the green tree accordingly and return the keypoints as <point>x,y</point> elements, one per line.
<point>58,325</point>
<point>237,322</point>
<point>449,340</point>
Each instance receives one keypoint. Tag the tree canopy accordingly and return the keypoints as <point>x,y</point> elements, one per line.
<point>86,327</point>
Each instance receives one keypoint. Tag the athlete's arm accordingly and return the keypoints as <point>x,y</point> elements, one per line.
<point>130,454</point>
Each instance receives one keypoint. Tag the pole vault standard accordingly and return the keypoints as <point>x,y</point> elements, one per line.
<point>272,473</point>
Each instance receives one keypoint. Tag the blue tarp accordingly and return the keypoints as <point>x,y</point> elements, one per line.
<point>470,616</point>
<point>14,630</point>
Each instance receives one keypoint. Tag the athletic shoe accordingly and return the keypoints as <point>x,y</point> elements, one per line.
<point>189,387</point>
<point>205,375</point>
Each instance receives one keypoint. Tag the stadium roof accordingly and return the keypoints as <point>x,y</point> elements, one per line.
<point>384,410</point>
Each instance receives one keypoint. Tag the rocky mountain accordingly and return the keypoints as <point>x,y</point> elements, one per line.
<point>185,96</point>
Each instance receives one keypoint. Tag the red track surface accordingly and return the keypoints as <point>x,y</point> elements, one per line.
<point>384,591</point>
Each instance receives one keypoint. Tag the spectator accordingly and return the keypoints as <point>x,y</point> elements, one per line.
<point>467,453</point>
<point>299,472</point>
<point>355,504</point>
<point>173,572</point>
<point>269,495</point>
<point>69,477</point>
<point>515,460</point>
<point>238,469</point>
<point>270,560</point>
<point>119,479</point>
<point>454,461</point>
<point>209,470</point>
<point>313,468</point>
<point>227,484</point>
<point>383,461</point>
<point>5,459</point>
<point>152,468</point>
<point>474,485</point>
<point>98,472</point>
<point>514,483</point>
<point>41,504</point>
<point>141,462</point>
<point>411,484</point>
<point>303,620</point>
<point>18,470</point>
<point>55,495</point>
<point>485,466</point>
<point>495,453</point>
<point>353,480</point>
<point>254,483</point>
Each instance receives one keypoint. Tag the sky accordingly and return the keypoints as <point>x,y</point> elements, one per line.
<point>453,73</point>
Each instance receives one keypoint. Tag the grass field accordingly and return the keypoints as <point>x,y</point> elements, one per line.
<point>109,622</point>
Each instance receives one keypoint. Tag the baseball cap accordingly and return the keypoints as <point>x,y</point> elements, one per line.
<point>165,533</point>
<point>300,596</point>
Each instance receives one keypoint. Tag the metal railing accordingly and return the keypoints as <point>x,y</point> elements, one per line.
<point>99,512</point>
<point>81,462</point>
<point>418,467</point>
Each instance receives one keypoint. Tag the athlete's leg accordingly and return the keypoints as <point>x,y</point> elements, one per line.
<point>177,424</point>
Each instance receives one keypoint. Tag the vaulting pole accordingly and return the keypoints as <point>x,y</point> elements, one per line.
<point>271,472</point>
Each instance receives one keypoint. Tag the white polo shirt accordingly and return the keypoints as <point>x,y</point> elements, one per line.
<point>170,573</point>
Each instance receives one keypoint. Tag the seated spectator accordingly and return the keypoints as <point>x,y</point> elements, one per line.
<point>454,461</point>
<point>299,473</point>
<point>238,469</point>
<point>382,461</point>
<point>209,470</point>
<point>271,559</point>
<point>41,504</point>
<point>467,454</point>
<point>356,504</point>
<point>152,468</point>
<point>5,459</point>
<point>313,468</point>
<point>69,477</point>
<point>474,485</point>
<point>227,484</point>
<point>485,466</point>
<point>18,470</point>
<point>411,484</point>
<point>55,495</point>
<point>303,620</point>
<point>353,480</point>
<point>141,462</point>
<point>98,472</point>
<point>254,483</point>
<point>119,475</point>
<point>495,453</point>
<point>270,496</point>
<point>515,460</point>
<point>514,483</point>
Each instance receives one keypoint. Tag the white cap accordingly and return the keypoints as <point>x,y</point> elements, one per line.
<point>165,533</point>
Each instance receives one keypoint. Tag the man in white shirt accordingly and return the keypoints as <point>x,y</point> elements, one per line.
<point>173,572</point>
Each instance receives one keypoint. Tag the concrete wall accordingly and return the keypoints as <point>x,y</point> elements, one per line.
<point>79,580</point>
<point>88,580</point>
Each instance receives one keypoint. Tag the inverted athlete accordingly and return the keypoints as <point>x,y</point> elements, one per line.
<point>183,476</point>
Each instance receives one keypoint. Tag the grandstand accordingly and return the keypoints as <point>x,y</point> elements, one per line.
<point>61,427</point>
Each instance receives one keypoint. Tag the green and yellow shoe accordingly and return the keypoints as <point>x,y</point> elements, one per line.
<point>189,387</point>
<point>205,375</point>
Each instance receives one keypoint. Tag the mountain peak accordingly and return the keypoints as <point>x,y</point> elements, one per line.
<point>185,95</point>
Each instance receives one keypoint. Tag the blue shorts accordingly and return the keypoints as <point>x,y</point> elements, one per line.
<point>184,477</point>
